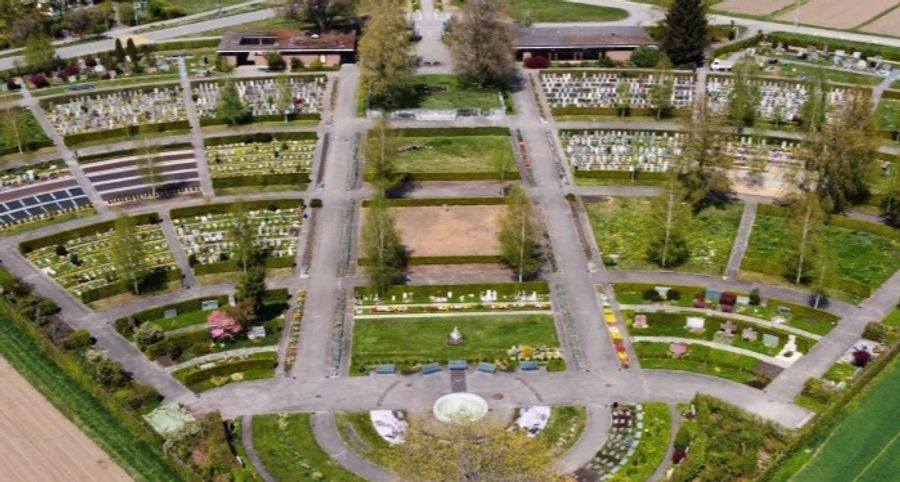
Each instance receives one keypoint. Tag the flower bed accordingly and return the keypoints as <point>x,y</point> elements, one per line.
<point>116,109</point>
<point>706,360</point>
<point>81,262</point>
<point>533,296</point>
<point>293,342</point>
<point>625,434</point>
<point>229,370</point>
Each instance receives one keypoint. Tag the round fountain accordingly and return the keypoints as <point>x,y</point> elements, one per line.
<point>460,407</point>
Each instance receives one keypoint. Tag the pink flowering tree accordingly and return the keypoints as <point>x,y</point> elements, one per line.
<point>222,326</point>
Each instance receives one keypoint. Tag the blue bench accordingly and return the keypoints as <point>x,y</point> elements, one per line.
<point>485,367</point>
<point>386,369</point>
<point>430,368</point>
<point>528,365</point>
<point>457,364</point>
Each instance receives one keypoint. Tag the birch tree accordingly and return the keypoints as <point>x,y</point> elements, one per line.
<point>745,95</point>
<point>381,147</point>
<point>670,216</point>
<point>805,229</point>
<point>148,165</point>
<point>518,235</point>
<point>12,125</point>
<point>384,60</point>
<point>127,253</point>
<point>382,247</point>
<point>243,234</point>
<point>623,98</point>
<point>703,163</point>
<point>661,96</point>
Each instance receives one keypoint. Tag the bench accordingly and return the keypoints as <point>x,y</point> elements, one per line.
<point>457,365</point>
<point>528,366</point>
<point>386,369</point>
<point>430,368</point>
<point>485,367</point>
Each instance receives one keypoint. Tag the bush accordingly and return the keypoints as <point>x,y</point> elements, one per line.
<point>109,373</point>
<point>296,64</point>
<point>147,334</point>
<point>276,62</point>
<point>39,81</point>
<point>673,294</point>
<point>650,294</point>
<point>316,203</point>
<point>78,339</point>
<point>164,348</point>
<point>536,62</point>
<point>200,349</point>
<point>754,297</point>
<point>861,358</point>
<point>195,377</point>
<point>646,56</point>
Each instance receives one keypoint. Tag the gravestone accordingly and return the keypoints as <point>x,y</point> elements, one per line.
<point>170,314</point>
<point>695,323</point>
<point>256,333</point>
<point>770,340</point>
<point>207,305</point>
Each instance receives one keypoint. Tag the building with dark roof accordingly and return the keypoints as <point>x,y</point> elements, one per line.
<point>580,43</point>
<point>251,48</point>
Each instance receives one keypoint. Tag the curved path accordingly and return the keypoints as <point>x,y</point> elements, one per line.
<point>247,441</point>
<point>326,431</point>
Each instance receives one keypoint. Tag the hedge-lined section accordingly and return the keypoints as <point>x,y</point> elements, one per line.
<point>836,221</point>
<point>777,269</point>
<point>502,289</point>
<point>154,279</point>
<point>177,44</point>
<point>130,152</point>
<point>262,137</point>
<point>452,176</point>
<point>259,362</point>
<point>638,176</point>
<point>129,132</point>
<point>215,121</point>
<point>293,179</point>
<point>26,146</point>
<point>231,265</point>
<point>890,94</point>
<point>612,111</point>
<point>158,313</point>
<point>449,132</point>
<point>225,208</point>
<point>441,201</point>
<point>62,237</point>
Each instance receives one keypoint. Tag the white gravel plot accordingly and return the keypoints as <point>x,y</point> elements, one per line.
<point>889,24</point>
<point>753,7</point>
<point>839,14</point>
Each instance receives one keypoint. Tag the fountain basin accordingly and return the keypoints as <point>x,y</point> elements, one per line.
<point>460,408</point>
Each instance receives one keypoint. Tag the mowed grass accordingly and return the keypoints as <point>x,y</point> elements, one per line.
<point>861,256</point>
<point>892,319</point>
<point>287,447</point>
<point>865,447</point>
<point>457,96</point>
<point>563,419</point>
<point>888,114</point>
<point>129,444</point>
<point>794,70</point>
<point>358,432</point>
<point>454,154</point>
<point>424,339</point>
<point>558,11</point>
<point>624,226</point>
<point>698,359</point>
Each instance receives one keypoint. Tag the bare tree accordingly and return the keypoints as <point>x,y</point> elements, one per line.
<point>148,168</point>
<point>481,42</point>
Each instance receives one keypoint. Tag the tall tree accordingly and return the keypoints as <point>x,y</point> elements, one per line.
<point>623,98</point>
<point>890,204</point>
<point>284,97</point>
<point>481,41</point>
<point>841,155</point>
<point>685,32</point>
<point>230,106</point>
<point>670,216</point>
<point>131,50</point>
<point>805,228</point>
<point>745,95</point>
<point>382,247</point>
<point>814,109</point>
<point>703,163</point>
<point>242,233</point>
<point>518,236</point>
<point>381,147</point>
<point>661,95</point>
<point>127,253</point>
<point>387,73</point>
<point>12,124</point>
<point>149,168</point>
<point>38,53</point>
<point>251,288</point>
<point>476,451</point>
<point>322,13</point>
<point>84,20</point>
<point>119,51</point>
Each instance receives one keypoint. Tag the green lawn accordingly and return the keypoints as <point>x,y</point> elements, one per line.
<point>182,320</point>
<point>197,6</point>
<point>623,227</point>
<point>29,131</point>
<point>866,445</point>
<point>425,339</point>
<point>288,448</point>
<point>454,154</point>
<point>700,359</point>
<point>564,428</point>
<point>456,96</point>
<point>119,433</point>
<point>861,256</point>
<point>559,11</point>
<point>653,445</point>
<point>840,372</point>
<point>790,69</point>
<point>888,114</point>
<point>360,435</point>
<point>892,319</point>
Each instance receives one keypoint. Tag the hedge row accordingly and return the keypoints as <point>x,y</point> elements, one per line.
<point>231,265</point>
<point>262,137</point>
<point>451,176</point>
<point>857,225</point>
<point>449,132</point>
<point>623,175</point>
<point>130,152</point>
<point>502,289</point>
<point>736,46</point>
<point>187,44</point>
<point>263,118</point>
<point>225,208</point>
<point>441,201</point>
<point>611,111</point>
<point>26,146</point>
<point>62,237</point>
<point>293,179</point>
<point>129,131</point>
<point>158,313</point>
<point>472,259</point>
<point>153,280</point>
<point>193,378</point>
<point>890,94</point>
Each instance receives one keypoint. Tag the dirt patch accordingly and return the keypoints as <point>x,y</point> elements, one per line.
<point>449,230</point>
<point>886,25</point>
<point>829,13</point>
<point>753,7</point>
<point>39,443</point>
<point>459,273</point>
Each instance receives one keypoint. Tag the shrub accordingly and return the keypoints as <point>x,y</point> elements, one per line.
<point>39,81</point>
<point>881,333</point>
<point>316,203</point>
<point>315,65</point>
<point>673,295</point>
<point>70,70</point>
<point>754,297</point>
<point>646,56</point>
<point>147,334</point>
<point>275,61</point>
<point>109,373</point>
<point>861,358</point>
<point>200,349</point>
<point>651,294</point>
<point>78,339</point>
<point>164,348</point>
<point>536,62</point>
<point>296,64</point>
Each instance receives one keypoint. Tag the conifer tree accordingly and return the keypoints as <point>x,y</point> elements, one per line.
<point>686,31</point>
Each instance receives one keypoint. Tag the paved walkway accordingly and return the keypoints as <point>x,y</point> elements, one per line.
<point>247,441</point>
<point>196,130</point>
<point>741,240</point>
<point>326,432</point>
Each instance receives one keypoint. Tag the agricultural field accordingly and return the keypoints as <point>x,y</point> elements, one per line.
<point>277,162</point>
<point>885,24</point>
<point>838,15</point>
<point>289,451</point>
<point>623,228</point>
<point>412,340</point>
<point>865,446</point>
<point>451,157</point>
<point>753,7</point>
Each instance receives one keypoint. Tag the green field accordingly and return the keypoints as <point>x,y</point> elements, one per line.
<point>120,434</point>
<point>29,131</point>
<point>196,6</point>
<point>288,448</point>
<point>456,96</point>
<point>700,359</point>
<point>892,319</point>
<point>623,227</point>
<point>454,154</point>
<point>888,114</point>
<point>425,339</point>
<point>865,447</point>
<point>277,22</point>
<point>557,11</point>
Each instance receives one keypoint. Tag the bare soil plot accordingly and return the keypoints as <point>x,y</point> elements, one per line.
<point>829,13</point>
<point>753,7</point>
<point>39,443</point>
<point>889,24</point>
<point>449,230</point>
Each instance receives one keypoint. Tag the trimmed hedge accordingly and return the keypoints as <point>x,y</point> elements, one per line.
<point>154,279</point>
<point>623,175</point>
<point>442,201</point>
<point>541,287</point>
<point>857,225</point>
<point>451,176</point>
<point>198,376</point>
<point>26,146</point>
<point>449,132</point>
<point>294,179</point>
<point>890,94</point>
<point>613,112</point>
<point>736,46</point>
<point>473,259</point>
<point>231,265</point>
<point>61,237</point>
<point>130,152</point>
<point>262,118</point>
<point>186,44</point>
<point>224,208</point>
<point>262,137</point>
<point>129,131</point>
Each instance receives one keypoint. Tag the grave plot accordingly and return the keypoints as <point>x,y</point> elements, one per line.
<point>205,233</point>
<point>863,255</point>
<point>261,160</point>
<point>119,112</point>
<point>263,97</point>
<point>531,296</point>
<point>597,92</point>
<point>448,231</point>
<point>780,99</point>
<point>81,262</point>
<point>609,156</point>
<point>44,192</point>
<point>625,228</point>
<point>637,443</point>
<point>705,360</point>
<point>451,154</point>
<point>131,176</point>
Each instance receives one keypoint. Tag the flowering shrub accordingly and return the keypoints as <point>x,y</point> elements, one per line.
<point>537,62</point>
<point>222,326</point>
<point>39,81</point>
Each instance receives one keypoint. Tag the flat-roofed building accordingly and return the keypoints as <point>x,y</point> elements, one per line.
<point>251,48</point>
<point>577,43</point>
